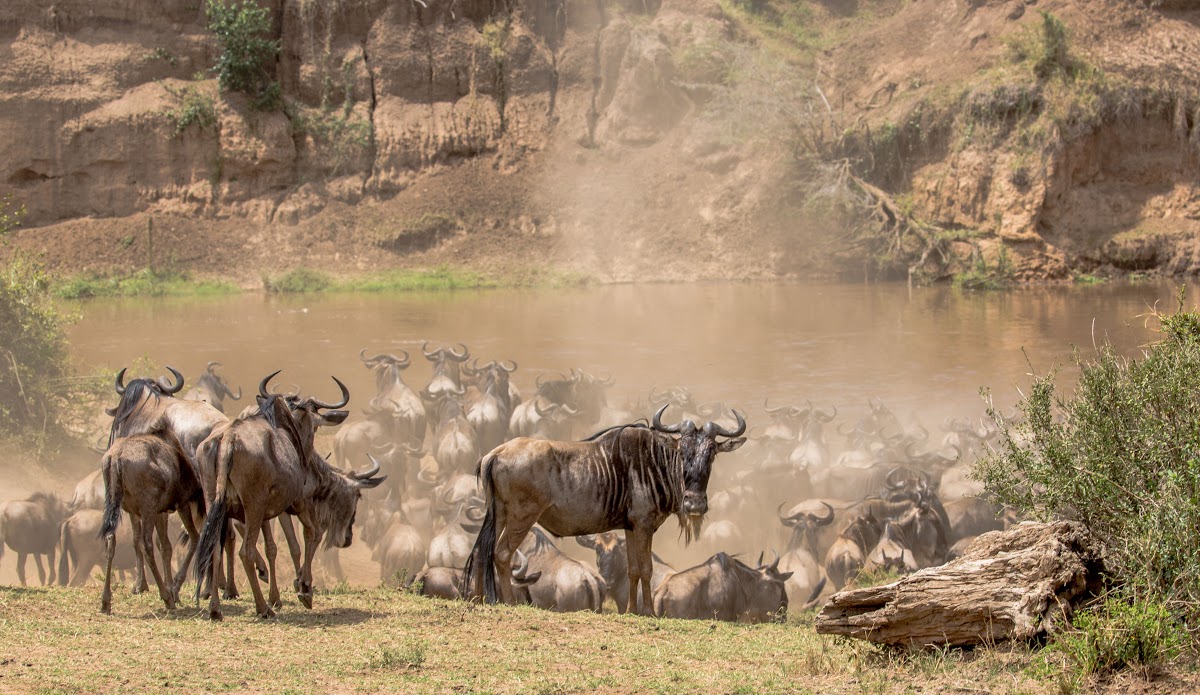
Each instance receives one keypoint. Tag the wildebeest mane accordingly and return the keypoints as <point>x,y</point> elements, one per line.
<point>130,404</point>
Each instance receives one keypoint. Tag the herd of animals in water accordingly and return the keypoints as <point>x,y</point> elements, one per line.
<point>444,479</point>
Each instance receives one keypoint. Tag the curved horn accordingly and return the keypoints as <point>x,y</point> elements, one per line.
<point>170,390</point>
<point>787,520</point>
<point>210,366</point>
<point>229,393</point>
<point>760,557</point>
<point>544,413</point>
<point>402,363</point>
<point>369,473</point>
<point>772,411</point>
<point>120,382</point>
<point>430,355</point>
<point>511,369</point>
<point>714,429</point>
<point>334,406</point>
<point>568,409</point>
<point>828,518</point>
<point>891,481</point>
<point>474,513</point>
<point>362,355</point>
<point>538,381</point>
<point>656,423</point>
<point>459,356</point>
<point>262,385</point>
<point>427,476</point>
<point>827,418</point>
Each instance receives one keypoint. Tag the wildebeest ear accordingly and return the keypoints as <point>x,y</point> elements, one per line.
<point>783,575</point>
<point>471,528</point>
<point>731,444</point>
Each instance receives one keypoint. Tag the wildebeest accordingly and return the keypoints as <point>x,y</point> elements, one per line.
<point>439,582</point>
<point>80,547</point>
<point>400,552</point>
<point>447,372</point>
<point>212,389</point>
<point>455,442</point>
<point>30,527</point>
<point>724,588</point>
<point>489,414</point>
<point>397,399</point>
<point>613,564</point>
<point>148,476</point>
<point>628,477</point>
<point>452,545</point>
<point>265,465</point>
<point>148,406</point>
<point>849,552</point>
<point>561,584</point>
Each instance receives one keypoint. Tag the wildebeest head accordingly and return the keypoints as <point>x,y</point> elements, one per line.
<point>610,553</point>
<point>697,447</point>
<point>308,411</point>
<point>339,502</point>
<point>134,394</point>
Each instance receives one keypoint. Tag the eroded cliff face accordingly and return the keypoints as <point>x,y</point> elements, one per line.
<point>569,134</point>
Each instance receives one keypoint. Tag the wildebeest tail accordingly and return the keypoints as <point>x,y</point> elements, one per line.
<point>483,555</point>
<point>219,457</point>
<point>814,596</point>
<point>113,492</point>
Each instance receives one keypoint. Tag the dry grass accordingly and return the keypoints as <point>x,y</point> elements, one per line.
<point>54,640</point>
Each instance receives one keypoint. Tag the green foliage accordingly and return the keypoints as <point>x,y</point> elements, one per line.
<point>246,54</point>
<point>340,134</point>
<point>1045,49</point>
<point>33,346</point>
<point>1121,454</point>
<point>142,283</point>
<point>987,276</point>
<point>297,281</point>
<point>1114,635</point>
<point>195,106</point>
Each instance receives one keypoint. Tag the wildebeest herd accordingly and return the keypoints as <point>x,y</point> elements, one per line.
<point>470,486</point>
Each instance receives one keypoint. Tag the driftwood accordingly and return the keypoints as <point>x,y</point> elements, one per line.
<point>1009,585</point>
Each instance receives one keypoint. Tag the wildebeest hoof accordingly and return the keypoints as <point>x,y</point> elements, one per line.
<point>268,614</point>
<point>229,595</point>
<point>306,599</point>
<point>106,609</point>
<point>138,589</point>
<point>215,616</point>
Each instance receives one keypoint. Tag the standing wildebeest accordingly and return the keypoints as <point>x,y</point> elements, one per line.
<point>212,389</point>
<point>629,477</point>
<point>489,414</point>
<point>396,398</point>
<point>148,476</point>
<point>613,564</point>
<point>724,589</point>
<point>79,546</point>
<point>30,527</point>
<point>447,370</point>
<point>264,465</point>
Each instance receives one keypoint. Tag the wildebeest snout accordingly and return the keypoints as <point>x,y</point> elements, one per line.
<point>695,502</point>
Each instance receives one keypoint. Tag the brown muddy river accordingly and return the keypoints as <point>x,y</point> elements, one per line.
<point>925,352</point>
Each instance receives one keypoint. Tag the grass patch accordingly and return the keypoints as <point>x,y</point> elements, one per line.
<point>441,278</point>
<point>376,640</point>
<point>297,281</point>
<point>143,283</point>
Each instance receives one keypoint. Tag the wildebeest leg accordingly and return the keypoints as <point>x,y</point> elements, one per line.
<point>254,524</point>
<point>37,560</point>
<point>272,552</point>
<point>231,590</point>
<point>147,543</point>
<point>637,545</point>
<point>214,583</point>
<point>110,549</point>
<point>164,546</point>
<point>50,567</point>
<point>189,524</point>
<point>510,539</point>
<point>311,538</point>
<point>21,567</point>
<point>289,533</point>
<point>139,579</point>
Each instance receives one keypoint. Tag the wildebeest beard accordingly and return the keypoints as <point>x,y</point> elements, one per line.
<point>696,454</point>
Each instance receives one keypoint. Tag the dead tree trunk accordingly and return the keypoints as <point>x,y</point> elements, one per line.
<point>1010,585</point>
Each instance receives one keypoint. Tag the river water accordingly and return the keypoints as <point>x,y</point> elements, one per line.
<point>925,351</point>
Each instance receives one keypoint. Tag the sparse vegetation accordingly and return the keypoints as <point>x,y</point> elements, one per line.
<point>194,106</point>
<point>142,283</point>
<point>1118,454</point>
<point>341,136</point>
<point>299,280</point>
<point>987,276</point>
<point>246,55</point>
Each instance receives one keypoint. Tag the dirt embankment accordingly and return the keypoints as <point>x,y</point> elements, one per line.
<point>615,139</point>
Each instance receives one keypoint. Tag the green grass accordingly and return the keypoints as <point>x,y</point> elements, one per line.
<point>304,280</point>
<point>143,283</point>
<point>376,640</point>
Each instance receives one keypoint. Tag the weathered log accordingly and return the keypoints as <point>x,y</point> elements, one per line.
<point>1009,585</point>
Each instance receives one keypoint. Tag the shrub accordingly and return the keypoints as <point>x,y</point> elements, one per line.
<point>1114,635</point>
<point>1121,454</point>
<point>298,280</point>
<point>195,106</point>
<point>246,56</point>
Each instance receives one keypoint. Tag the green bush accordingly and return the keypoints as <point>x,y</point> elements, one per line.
<point>194,106</point>
<point>1121,454</point>
<point>247,55</point>
<point>1114,635</point>
<point>298,280</point>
